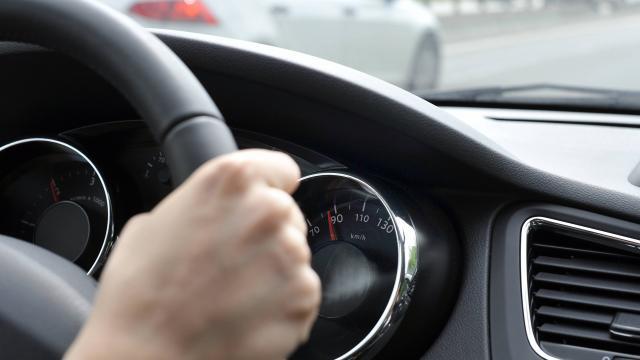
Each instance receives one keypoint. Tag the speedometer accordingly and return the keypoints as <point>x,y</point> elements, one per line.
<point>359,253</point>
<point>53,196</point>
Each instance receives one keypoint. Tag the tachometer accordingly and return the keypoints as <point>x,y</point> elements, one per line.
<point>359,254</point>
<point>54,196</point>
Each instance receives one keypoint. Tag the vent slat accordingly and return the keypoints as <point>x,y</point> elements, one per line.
<point>582,333</point>
<point>589,299</point>
<point>593,266</point>
<point>566,351</point>
<point>624,287</point>
<point>584,252</point>
<point>575,315</point>
<point>578,280</point>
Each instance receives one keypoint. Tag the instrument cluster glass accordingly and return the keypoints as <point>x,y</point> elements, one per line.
<point>356,253</point>
<point>54,197</point>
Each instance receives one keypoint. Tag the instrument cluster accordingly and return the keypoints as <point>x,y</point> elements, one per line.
<point>72,194</point>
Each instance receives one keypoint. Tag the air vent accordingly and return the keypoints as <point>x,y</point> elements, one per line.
<point>581,291</point>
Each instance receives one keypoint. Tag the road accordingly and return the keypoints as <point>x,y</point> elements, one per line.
<point>604,52</point>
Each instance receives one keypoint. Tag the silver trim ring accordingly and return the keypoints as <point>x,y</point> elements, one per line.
<point>405,273</point>
<point>527,227</point>
<point>108,236</point>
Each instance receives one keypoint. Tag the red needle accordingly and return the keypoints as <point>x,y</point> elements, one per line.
<point>332,231</point>
<point>54,191</point>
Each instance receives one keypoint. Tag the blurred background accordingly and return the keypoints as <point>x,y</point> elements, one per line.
<point>428,45</point>
<point>592,43</point>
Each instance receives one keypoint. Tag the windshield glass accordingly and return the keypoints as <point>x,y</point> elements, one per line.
<point>557,50</point>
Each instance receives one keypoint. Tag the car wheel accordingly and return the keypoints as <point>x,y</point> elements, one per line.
<point>425,70</point>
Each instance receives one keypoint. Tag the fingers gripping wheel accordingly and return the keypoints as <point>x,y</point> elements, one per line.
<point>178,110</point>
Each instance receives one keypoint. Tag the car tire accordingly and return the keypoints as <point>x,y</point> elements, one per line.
<point>425,68</point>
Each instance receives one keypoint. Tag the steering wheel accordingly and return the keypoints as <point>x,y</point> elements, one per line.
<point>45,299</point>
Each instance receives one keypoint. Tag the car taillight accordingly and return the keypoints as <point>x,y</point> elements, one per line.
<point>174,10</point>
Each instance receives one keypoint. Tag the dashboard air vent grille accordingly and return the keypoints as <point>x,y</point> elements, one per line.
<point>581,290</point>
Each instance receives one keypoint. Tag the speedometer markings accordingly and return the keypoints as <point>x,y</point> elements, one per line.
<point>55,192</point>
<point>332,231</point>
<point>355,247</point>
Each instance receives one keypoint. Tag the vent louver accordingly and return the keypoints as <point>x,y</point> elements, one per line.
<point>581,291</point>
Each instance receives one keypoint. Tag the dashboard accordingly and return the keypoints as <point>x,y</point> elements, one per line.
<point>72,193</point>
<point>416,214</point>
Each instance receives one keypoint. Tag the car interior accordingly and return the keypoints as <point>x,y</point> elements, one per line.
<point>489,229</point>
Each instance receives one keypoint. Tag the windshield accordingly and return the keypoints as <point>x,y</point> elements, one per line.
<point>573,51</point>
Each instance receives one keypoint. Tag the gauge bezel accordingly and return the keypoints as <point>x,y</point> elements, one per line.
<point>405,273</point>
<point>108,236</point>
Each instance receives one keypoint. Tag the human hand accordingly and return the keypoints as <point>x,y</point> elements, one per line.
<point>219,269</point>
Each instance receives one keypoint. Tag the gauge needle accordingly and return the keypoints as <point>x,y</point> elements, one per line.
<point>332,231</point>
<point>54,191</point>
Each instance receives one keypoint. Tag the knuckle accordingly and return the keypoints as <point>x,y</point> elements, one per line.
<point>288,251</point>
<point>276,204</point>
<point>283,264</point>
<point>270,212</point>
<point>278,264</point>
<point>298,220</point>
<point>230,170</point>
<point>308,286</point>
<point>227,164</point>
<point>295,246</point>
<point>291,164</point>
<point>315,286</point>
<point>242,172</point>
<point>305,289</point>
<point>280,202</point>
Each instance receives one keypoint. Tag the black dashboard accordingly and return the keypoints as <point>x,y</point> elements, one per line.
<point>465,182</point>
<point>73,192</point>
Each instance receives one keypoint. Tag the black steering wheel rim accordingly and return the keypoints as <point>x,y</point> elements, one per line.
<point>176,107</point>
<point>44,299</point>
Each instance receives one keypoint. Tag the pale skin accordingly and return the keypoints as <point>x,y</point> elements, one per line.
<point>220,269</point>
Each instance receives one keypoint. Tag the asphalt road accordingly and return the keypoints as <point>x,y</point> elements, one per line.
<point>604,52</point>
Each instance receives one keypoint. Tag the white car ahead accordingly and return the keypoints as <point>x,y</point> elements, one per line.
<point>395,40</point>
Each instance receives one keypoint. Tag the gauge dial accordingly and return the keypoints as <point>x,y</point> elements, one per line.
<point>156,169</point>
<point>356,253</point>
<point>54,197</point>
<point>149,174</point>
